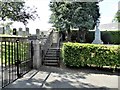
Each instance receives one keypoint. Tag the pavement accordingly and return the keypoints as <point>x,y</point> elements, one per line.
<point>53,77</point>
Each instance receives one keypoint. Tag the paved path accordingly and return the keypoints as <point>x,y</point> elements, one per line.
<point>51,77</point>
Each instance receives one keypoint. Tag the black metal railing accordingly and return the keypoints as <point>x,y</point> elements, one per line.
<point>47,44</point>
<point>58,48</point>
<point>59,42</point>
<point>15,59</point>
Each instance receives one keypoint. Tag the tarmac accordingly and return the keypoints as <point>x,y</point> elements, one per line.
<point>54,77</point>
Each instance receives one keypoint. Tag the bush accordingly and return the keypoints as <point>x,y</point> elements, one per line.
<point>90,36</point>
<point>77,55</point>
<point>115,37</point>
<point>106,37</point>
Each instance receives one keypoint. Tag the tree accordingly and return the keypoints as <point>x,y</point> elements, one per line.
<point>17,11</point>
<point>81,15</point>
<point>61,16</point>
<point>84,18</point>
<point>117,16</point>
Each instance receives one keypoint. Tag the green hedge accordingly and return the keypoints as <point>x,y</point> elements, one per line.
<point>111,37</point>
<point>77,55</point>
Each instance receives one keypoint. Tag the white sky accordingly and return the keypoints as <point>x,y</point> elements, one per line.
<point>108,8</point>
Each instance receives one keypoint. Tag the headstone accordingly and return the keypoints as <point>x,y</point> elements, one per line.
<point>20,32</point>
<point>97,39</point>
<point>14,31</point>
<point>1,30</point>
<point>38,33</point>
<point>7,30</point>
<point>24,33</point>
<point>42,34</point>
<point>27,31</point>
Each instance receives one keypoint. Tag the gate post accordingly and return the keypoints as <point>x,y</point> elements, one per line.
<point>37,52</point>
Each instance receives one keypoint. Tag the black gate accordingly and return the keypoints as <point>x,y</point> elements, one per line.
<point>15,59</point>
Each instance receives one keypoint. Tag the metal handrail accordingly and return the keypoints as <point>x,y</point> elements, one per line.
<point>58,43</point>
<point>47,44</point>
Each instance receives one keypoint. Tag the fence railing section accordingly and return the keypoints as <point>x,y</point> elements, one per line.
<point>15,58</point>
<point>59,42</point>
<point>47,44</point>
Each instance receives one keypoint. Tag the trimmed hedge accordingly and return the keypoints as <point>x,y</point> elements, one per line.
<point>77,55</point>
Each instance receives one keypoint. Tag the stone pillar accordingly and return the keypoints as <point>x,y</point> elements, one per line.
<point>97,39</point>
<point>20,32</point>
<point>37,59</point>
<point>27,31</point>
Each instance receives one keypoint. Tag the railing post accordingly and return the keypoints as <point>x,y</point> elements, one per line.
<point>18,61</point>
<point>32,53</point>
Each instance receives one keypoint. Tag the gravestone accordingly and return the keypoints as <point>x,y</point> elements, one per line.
<point>7,30</point>
<point>27,31</point>
<point>14,31</point>
<point>20,32</point>
<point>38,33</point>
<point>24,33</point>
<point>97,39</point>
<point>1,30</point>
<point>42,34</point>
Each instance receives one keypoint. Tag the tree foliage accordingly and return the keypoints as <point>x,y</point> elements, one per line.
<point>117,16</point>
<point>66,15</point>
<point>17,11</point>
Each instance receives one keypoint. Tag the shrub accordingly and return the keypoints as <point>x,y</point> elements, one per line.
<point>89,37</point>
<point>115,37</point>
<point>106,37</point>
<point>77,55</point>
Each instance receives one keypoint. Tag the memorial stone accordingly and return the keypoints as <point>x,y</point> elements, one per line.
<point>97,39</point>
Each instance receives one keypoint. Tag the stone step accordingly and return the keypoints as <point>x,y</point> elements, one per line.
<point>50,61</point>
<point>53,51</point>
<point>51,64</point>
<point>51,58</point>
<point>52,55</point>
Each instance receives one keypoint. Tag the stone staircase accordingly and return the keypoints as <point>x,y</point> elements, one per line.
<point>52,57</point>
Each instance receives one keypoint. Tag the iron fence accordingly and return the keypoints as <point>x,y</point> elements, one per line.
<point>15,59</point>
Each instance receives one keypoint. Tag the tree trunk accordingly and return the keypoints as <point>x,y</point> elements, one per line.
<point>78,35</point>
<point>81,35</point>
<point>83,38</point>
<point>69,34</point>
<point>63,35</point>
